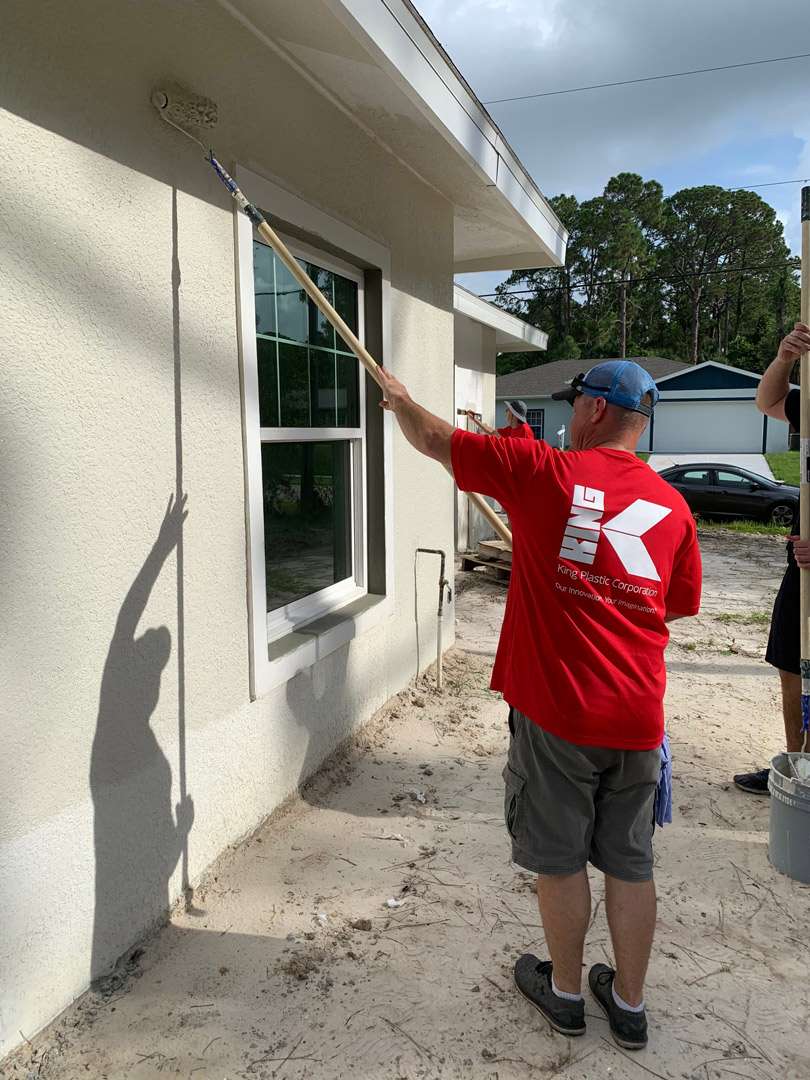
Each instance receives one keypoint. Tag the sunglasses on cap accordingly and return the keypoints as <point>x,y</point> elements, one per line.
<point>575,389</point>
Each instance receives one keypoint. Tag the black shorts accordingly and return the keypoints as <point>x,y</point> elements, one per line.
<point>784,643</point>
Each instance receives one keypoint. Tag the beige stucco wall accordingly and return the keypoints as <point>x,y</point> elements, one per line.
<point>475,356</point>
<point>94,423</point>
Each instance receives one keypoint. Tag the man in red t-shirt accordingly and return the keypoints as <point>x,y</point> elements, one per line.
<point>605,554</point>
<point>516,426</point>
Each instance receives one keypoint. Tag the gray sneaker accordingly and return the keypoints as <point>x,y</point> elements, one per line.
<point>629,1029</point>
<point>533,980</point>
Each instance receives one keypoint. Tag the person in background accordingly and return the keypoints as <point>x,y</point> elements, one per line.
<point>516,426</point>
<point>775,398</point>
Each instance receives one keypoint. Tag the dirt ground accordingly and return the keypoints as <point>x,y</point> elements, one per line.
<point>369,930</point>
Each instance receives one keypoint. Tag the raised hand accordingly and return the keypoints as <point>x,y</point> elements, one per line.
<point>795,343</point>
<point>169,533</point>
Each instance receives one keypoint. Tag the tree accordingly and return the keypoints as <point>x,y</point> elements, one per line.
<point>702,274</point>
<point>633,208</point>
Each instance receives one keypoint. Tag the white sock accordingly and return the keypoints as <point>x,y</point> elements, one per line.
<point>562,993</point>
<point>623,1004</point>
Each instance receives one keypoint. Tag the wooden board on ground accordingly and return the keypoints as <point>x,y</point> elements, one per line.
<point>495,549</point>
<point>499,571</point>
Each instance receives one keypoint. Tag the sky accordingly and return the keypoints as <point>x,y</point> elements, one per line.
<point>731,128</point>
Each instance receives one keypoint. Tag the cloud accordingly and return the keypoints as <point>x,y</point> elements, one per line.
<point>575,142</point>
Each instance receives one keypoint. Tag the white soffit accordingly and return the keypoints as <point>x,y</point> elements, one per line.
<point>378,61</point>
<point>511,334</point>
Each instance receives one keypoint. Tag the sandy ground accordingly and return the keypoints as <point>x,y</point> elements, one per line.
<point>293,966</point>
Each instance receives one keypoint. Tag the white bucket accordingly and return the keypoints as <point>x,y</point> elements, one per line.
<point>789,847</point>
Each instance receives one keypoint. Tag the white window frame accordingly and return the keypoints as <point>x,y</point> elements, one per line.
<point>542,424</point>
<point>285,619</point>
<point>291,639</point>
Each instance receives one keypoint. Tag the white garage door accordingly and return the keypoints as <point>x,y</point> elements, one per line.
<point>702,427</point>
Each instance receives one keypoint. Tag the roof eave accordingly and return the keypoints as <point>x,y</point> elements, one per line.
<point>508,224</point>
<point>511,333</point>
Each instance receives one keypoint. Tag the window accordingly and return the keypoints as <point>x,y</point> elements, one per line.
<point>535,418</point>
<point>733,479</point>
<point>311,419</point>
<point>319,491</point>
<point>695,476</point>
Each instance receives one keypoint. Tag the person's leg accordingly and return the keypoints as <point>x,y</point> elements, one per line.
<point>565,910</point>
<point>631,910</point>
<point>792,709</point>
<point>621,848</point>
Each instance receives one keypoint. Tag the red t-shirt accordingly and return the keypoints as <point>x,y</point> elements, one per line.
<point>602,549</point>
<point>523,431</point>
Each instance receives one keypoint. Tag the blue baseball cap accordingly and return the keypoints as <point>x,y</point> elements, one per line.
<point>619,382</point>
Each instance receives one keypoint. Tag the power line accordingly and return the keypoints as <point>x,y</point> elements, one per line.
<point>647,78</point>
<point>770,183</point>
<point>583,286</point>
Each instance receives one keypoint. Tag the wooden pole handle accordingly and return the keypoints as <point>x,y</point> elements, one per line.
<point>804,462</point>
<point>481,504</point>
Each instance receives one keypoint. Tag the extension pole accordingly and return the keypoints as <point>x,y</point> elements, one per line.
<point>804,463</point>
<point>319,300</point>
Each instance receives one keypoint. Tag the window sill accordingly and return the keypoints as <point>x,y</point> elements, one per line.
<point>307,644</point>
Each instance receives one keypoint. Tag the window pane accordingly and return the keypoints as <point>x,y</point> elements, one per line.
<point>322,373</point>
<point>316,386</point>
<point>348,392</point>
<point>346,306</point>
<point>700,477</point>
<point>321,331</point>
<point>293,368</point>
<point>264,285</point>
<point>268,382</point>
<point>307,521</point>
<point>291,304</point>
<point>535,418</point>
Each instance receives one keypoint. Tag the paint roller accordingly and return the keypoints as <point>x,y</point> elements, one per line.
<point>191,113</point>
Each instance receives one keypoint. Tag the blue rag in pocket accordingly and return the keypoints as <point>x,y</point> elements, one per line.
<point>663,793</point>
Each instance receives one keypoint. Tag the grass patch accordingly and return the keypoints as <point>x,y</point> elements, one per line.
<point>643,456</point>
<point>747,618</point>
<point>761,528</point>
<point>785,466</point>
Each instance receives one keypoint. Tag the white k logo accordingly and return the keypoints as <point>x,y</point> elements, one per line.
<point>625,531</point>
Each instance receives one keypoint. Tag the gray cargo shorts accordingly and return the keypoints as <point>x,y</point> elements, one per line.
<point>567,805</point>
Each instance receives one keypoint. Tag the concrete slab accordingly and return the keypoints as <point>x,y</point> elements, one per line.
<point>755,463</point>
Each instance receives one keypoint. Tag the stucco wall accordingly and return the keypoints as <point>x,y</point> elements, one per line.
<point>474,349</point>
<point>121,375</point>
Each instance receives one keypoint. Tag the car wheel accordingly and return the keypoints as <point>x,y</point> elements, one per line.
<point>781,514</point>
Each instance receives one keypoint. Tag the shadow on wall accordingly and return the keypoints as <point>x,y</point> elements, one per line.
<point>137,840</point>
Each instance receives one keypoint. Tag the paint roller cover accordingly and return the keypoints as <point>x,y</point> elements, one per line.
<point>182,107</point>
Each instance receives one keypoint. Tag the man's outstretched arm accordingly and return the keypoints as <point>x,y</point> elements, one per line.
<point>428,434</point>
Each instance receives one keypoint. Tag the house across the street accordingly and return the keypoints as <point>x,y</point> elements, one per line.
<point>706,408</point>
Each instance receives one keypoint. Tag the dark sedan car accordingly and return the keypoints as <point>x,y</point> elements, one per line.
<point>727,491</point>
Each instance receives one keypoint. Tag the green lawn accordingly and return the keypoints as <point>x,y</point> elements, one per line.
<point>643,456</point>
<point>761,527</point>
<point>785,466</point>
